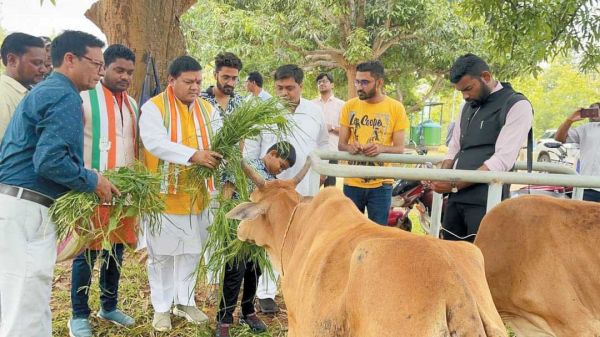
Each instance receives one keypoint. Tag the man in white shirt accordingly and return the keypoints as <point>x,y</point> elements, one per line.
<point>309,133</point>
<point>332,106</point>
<point>254,85</point>
<point>587,136</point>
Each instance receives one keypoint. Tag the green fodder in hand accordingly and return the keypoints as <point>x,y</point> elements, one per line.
<point>140,197</point>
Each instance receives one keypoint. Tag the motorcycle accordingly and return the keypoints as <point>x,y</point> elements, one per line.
<point>408,195</point>
<point>553,191</point>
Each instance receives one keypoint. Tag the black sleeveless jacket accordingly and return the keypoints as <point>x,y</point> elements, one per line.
<point>479,130</point>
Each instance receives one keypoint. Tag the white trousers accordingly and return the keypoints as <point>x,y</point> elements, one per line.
<point>267,285</point>
<point>172,280</point>
<point>27,258</point>
<point>182,234</point>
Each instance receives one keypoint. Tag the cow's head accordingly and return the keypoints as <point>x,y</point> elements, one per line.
<point>264,220</point>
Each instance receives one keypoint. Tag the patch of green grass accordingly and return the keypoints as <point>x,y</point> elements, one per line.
<point>134,299</point>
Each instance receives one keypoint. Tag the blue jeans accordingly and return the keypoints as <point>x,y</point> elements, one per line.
<point>81,278</point>
<point>377,201</point>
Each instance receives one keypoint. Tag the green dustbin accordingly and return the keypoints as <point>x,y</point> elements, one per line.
<point>414,133</point>
<point>432,133</point>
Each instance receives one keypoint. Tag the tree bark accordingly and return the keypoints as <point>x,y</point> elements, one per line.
<point>351,76</point>
<point>148,27</point>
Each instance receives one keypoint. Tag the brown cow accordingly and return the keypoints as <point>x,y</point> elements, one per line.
<point>541,258</point>
<point>343,275</point>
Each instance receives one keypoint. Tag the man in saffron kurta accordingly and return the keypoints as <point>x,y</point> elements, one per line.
<point>176,128</point>
<point>110,117</point>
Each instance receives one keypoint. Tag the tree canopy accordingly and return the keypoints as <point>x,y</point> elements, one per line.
<point>417,40</point>
<point>538,30</point>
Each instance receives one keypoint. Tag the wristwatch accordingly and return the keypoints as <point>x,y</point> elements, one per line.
<point>454,187</point>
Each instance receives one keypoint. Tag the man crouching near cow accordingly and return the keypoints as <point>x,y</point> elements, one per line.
<point>280,157</point>
<point>491,129</point>
<point>344,275</point>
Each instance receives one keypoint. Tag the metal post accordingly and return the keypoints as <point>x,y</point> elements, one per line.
<point>436,214</point>
<point>578,193</point>
<point>494,195</point>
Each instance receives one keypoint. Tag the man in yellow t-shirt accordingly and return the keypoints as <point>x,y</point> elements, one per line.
<point>370,124</point>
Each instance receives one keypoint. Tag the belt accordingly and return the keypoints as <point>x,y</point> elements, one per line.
<point>25,194</point>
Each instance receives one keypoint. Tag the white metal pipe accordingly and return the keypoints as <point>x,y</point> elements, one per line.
<point>474,176</point>
<point>434,159</point>
<point>436,214</point>
<point>577,193</point>
<point>494,196</point>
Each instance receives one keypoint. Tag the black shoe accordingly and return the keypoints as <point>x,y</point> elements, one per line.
<point>254,323</point>
<point>222,330</point>
<point>268,306</point>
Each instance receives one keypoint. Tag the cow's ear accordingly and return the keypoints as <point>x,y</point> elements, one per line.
<point>246,211</point>
<point>306,199</point>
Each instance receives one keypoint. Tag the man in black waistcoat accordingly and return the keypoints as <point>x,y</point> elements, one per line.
<point>488,135</point>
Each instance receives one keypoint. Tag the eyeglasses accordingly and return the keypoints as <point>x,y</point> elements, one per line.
<point>100,65</point>
<point>362,83</point>
<point>323,81</point>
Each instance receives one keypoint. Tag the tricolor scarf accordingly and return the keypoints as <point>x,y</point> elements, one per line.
<point>104,143</point>
<point>204,133</point>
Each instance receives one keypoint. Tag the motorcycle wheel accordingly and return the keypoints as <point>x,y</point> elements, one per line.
<point>544,158</point>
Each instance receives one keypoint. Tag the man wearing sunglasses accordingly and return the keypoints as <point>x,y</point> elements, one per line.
<point>370,124</point>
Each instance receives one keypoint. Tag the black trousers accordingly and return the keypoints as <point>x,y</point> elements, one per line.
<point>330,181</point>
<point>462,221</point>
<point>236,273</point>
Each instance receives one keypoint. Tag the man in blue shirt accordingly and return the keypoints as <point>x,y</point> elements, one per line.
<point>41,158</point>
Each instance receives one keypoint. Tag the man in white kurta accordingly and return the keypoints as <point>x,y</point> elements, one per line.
<point>175,129</point>
<point>308,133</point>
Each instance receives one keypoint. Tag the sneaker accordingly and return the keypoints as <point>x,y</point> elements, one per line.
<point>222,330</point>
<point>161,321</point>
<point>117,317</point>
<point>191,313</point>
<point>267,306</point>
<point>255,323</point>
<point>79,327</point>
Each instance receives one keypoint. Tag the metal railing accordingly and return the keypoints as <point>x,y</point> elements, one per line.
<point>557,175</point>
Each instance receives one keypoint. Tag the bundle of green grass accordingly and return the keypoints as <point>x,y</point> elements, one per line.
<point>247,121</point>
<point>75,214</point>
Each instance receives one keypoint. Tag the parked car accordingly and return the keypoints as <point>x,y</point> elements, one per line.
<point>543,153</point>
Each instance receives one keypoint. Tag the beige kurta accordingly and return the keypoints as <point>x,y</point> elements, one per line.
<point>11,93</point>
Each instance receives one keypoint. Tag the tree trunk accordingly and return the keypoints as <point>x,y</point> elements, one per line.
<point>148,27</point>
<point>351,76</point>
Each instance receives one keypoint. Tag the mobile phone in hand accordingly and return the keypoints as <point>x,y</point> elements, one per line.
<point>589,113</point>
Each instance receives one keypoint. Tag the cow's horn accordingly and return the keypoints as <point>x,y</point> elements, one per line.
<point>300,175</point>
<point>253,175</point>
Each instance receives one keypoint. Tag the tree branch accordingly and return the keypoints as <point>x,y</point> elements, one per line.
<point>322,63</point>
<point>360,17</point>
<point>319,42</point>
<point>391,42</point>
<point>294,47</point>
<point>388,22</point>
<point>435,87</point>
